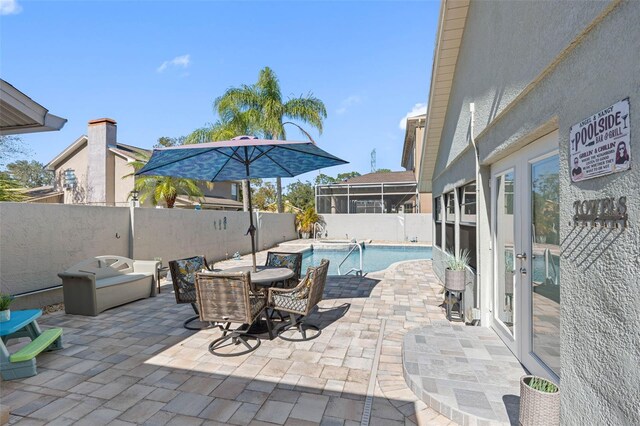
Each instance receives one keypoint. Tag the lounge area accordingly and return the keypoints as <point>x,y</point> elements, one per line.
<point>137,363</point>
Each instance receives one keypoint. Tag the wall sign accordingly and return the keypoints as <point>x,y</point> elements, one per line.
<point>599,145</point>
<point>603,211</point>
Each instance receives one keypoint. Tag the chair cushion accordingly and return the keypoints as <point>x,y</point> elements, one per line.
<point>290,302</point>
<point>283,261</point>
<point>187,268</point>
<point>120,279</point>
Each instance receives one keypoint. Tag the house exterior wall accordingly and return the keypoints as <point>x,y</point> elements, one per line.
<point>78,162</point>
<point>122,185</point>
<point>219,189</point>
<point>505,47</point>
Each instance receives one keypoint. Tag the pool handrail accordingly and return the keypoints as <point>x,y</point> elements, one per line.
<point>356,270</point>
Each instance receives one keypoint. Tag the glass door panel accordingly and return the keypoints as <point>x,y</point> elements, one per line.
<point>545,261</point>
<point>505,308</point>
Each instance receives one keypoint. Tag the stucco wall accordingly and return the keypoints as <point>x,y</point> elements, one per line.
<point>122,185</point>
<point>274,228</point>
<point>600,267</point>
<point>37,241</point>
<point>387,227</point>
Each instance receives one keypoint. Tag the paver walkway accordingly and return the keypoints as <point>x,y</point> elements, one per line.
<point>136,364</point>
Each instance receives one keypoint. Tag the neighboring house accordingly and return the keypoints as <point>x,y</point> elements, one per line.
<point>93,171</point>
<point>412,156</point>
<point>386,192</point>
<point>524,178</point>
<point>21,114</point>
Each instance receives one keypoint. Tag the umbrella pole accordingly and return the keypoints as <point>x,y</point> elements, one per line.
<point>252,229</point>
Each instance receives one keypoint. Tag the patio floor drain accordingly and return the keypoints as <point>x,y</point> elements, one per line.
<point>368,403</point>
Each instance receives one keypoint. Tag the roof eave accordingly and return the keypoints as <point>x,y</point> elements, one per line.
<point>451,25</point>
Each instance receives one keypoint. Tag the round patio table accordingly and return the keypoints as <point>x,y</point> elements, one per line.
<point>265,275</point>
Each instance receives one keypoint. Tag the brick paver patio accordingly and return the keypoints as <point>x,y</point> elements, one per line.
<point>136,364</point>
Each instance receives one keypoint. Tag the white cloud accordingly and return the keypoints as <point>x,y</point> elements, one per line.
<point>348,103</point>
<point>9,7</point>
<point>417,110</point>
<point>179,61</point>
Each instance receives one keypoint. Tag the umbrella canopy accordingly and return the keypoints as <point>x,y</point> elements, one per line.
<point>243,157</point>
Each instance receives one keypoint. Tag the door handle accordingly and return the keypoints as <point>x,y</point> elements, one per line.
<point>523,271</point>
<point>521,256</point>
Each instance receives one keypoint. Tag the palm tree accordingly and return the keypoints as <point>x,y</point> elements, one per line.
<point>263,107</point>
<point>231,124</point>
<point>161,188</point>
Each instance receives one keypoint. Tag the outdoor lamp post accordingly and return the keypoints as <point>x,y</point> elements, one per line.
<point>134,198</point>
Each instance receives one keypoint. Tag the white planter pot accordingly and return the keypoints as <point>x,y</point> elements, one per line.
<point>5,315</point>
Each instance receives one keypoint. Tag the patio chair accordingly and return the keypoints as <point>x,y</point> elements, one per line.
<point>229,298</point>
<point>292,261</point>
<point>300,301</point>
<point>183,277</point>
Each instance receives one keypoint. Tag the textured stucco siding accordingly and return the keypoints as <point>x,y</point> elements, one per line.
<point>37,241</point>
<point>503,49</point>
<point>78,162</point>
<point>600,267</point>
<point>384,227</point>
<point>275,228</point>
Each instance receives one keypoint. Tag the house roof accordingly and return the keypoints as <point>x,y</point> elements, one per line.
<point>384,177</point>
<point>410,137</point>
<point>453,18</point>
<point>39,193</point>
<point>21,114</point>
<point>129,152</point>
<point>211,202</point>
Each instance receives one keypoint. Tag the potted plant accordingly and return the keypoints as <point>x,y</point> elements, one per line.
<point>306,219</point>
<point>455,274</point>
<point>5,312</point>
<point>539,402</point>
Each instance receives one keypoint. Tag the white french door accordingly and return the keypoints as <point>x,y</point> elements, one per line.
<point>526,254</point>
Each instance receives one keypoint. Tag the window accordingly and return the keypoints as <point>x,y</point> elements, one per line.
<point>468,222</point>
<point>468,203</point>
<point>437,215</point>
<point>234,191</point>
<point>450,226</point>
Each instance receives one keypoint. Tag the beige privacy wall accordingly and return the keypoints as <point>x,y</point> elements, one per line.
<point>383,227</point>
<point>37,241</point>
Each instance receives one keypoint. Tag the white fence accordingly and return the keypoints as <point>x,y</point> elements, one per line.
<point>385,227</point>
<point>37,241</point>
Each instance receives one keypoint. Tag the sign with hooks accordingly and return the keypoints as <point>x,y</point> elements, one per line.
<point>607,212</point>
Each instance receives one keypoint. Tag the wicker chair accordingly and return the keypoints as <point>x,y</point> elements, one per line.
<point>183,277</point>
<point>292,261</point>
<point>300,301</point>
<point>229,298</point>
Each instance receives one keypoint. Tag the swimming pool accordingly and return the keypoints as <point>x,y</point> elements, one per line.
<point>374,257</point>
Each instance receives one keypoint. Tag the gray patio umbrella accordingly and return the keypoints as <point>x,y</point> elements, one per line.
<point>243,157</point>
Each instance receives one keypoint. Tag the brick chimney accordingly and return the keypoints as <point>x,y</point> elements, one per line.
<point>101,133</point>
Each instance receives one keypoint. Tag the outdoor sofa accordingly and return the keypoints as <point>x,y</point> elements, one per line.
<point>103,282</point>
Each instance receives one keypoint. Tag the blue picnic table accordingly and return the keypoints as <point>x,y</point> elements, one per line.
<point>22,363</point>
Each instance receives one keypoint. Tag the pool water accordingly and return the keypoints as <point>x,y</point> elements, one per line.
<point>374,258</point>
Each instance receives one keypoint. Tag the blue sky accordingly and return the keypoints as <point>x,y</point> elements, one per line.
<point>156,67</point>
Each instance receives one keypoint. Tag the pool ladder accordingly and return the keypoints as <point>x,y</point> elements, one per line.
<point>356,270</point>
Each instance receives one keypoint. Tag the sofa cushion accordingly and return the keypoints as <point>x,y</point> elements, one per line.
<point>119,279</point>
